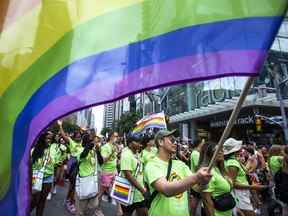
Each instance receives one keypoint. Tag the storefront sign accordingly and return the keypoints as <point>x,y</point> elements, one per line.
<point>240,121</point>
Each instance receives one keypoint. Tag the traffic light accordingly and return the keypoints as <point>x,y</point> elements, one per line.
<point>258,122</point>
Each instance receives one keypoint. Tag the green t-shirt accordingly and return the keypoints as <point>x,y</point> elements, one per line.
<point>217,186</point>
<point>129,161</point>
<point>275,163</point>
<point>51,156</point>
<point>162,205</point>
<point>194,158</point>
<point>88,166</point>
<point>241,176</point>
<point>75,148</point>
<point>148,155</point>
<point>60,155</point>
<point>109,166</point>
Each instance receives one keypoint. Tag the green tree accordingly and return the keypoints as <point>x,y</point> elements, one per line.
<point>105,131</point>
<point>127,122</point>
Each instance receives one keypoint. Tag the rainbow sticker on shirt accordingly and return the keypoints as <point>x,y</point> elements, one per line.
<point>175,177</point>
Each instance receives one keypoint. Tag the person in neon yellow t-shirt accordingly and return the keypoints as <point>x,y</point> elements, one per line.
<point>75,147</point>
<point>132,169</point>
<point>149,151</point>
<point>219,184</point>
<point>237,173</point>
<point>109,166</point>
<point>43,156</point>
<point>172,196</point>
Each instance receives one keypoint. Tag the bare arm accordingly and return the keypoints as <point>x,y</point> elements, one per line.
<point>208,204</point>
<point>65,137</point>
<point>133,181</point>
<point>170,189</point>
<point>232,173</point>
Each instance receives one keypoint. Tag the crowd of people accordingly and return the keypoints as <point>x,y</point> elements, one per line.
<point>168,177</point>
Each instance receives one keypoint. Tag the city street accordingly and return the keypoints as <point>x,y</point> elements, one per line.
<point>55,206</point>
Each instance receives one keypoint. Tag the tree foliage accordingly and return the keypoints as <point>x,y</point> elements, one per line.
<point>127,122</point>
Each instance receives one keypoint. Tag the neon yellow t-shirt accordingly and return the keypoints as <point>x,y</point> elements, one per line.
<point>75,148</point>
<point>110,165</point>
<point>275,163</point>
<point>146,155</point>
<point>129,161</point>
<point>162,205</point>
<point>51,157</point>
<point>88,166</point>
<point>194,158</point>
<point>241,176</point>
<point>217,186</point>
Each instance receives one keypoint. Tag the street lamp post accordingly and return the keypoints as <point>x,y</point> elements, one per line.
<point>275,74</point>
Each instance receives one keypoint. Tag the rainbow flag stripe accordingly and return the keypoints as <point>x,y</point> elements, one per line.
<point>153,121</point>
<point>57,57</point>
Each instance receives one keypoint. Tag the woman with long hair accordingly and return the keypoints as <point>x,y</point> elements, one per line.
<point>217,198</point>
<point>43,155</point>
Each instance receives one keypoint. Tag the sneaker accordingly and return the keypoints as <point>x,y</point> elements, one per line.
<point>70,207</point>
<point>98,212</point>
<point>49,196</point>
<point>105,198</point>
<point>54,190</point>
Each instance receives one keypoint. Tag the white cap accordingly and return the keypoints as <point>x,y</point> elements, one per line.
<point>231,145</point>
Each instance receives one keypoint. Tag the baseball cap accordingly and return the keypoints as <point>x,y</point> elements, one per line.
<point>164,133</point>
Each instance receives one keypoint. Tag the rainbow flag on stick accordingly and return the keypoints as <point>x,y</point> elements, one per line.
<point>152,121</point>
<point>57,57</point>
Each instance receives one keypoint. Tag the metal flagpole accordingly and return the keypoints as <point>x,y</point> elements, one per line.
<point>232,119</point>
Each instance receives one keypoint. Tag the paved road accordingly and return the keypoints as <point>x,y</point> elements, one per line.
<point>55,207</point>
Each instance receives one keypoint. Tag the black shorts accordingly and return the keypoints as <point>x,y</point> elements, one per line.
<point>130,209</point>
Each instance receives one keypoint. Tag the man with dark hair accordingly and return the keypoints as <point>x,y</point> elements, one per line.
<point>169,179</point>
<point>132,169</point>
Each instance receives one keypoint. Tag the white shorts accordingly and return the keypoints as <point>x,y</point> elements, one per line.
<point>243,200</point>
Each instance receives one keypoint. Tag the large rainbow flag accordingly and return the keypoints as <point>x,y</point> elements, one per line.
<point>57,57</point>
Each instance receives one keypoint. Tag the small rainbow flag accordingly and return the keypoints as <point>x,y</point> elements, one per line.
<point>57,57</point>
<point>122,190</point>
<point>152,121</point>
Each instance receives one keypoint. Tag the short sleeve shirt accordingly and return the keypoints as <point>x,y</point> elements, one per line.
<point>162,205</point>
<point>50,157</point>
<point>75,148</point>
<point>217,186</point>
<point>241,176</point>
<point>88,165</point>
<point>110,165</point>
<point>275,164</point>
<point>131,162</point>
<point>148,155</point>
<point>194,158</point>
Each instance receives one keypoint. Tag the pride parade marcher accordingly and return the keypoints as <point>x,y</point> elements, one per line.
<point>87,164</point>
<point>217,196</point>
<point>195,197</point>
<point>132,169</point>
<point>170,179</point>
<point>149,150</point>
<point>43,157</point>
<point>236,171</point>
<point>109,166</point>
<point>75,148</point>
